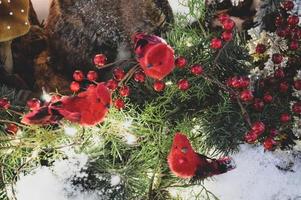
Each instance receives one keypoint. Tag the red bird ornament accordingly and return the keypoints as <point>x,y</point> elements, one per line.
<point>88,108</point>
<point>154,55</point>
<point>184,162</point>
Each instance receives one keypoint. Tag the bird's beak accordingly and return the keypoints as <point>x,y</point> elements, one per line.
<point>184,150</point>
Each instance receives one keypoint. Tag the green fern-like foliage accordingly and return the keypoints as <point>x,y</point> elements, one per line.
<point>205,112</point>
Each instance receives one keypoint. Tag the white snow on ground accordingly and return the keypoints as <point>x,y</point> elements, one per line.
<point>54,183</point>
<point>256,177</point>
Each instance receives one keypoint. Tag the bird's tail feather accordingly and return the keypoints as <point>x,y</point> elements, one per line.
<point>225,164</point>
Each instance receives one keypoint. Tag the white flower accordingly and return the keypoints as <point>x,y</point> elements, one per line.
<point>276,43</point>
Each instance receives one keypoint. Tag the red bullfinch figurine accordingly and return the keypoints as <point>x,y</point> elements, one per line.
<point>88,108</point>
<point>155,56</point>
<point>184,162</point>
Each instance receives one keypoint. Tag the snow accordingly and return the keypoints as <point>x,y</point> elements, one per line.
<point>256,177</point>
<point>115,180</point>
<point>70,131</point>
<point>55,183</point>
<point>178,6</point>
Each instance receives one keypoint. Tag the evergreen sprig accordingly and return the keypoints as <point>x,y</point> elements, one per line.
<point>204,112</point>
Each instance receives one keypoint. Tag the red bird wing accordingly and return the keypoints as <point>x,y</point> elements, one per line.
<point>209,167</point>
<point>41,116</point>
<point>71,108</point>
<point>103,94</point>
<point>87,108</point>
<point>93,115</point>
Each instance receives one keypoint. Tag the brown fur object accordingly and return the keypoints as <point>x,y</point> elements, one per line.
<point>47,78</point>
<point>79,29</point>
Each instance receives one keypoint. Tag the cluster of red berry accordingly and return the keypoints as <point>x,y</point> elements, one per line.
<point>139,76</point>
<point>241,83</point>
<point>275,88</point>
<point>32,104</point>
<point>10,128</point>
<point>196,70</point>
<point>228,25</point>
<point>287,25</point>
<point>79,76</point>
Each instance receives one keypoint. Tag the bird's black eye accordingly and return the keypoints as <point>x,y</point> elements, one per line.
<point>184,150</point>
<point>176,147</point>
<point>98,100</point>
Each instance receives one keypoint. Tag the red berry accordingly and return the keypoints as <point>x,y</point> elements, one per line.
<point>92,76</point>
<point>4,103</point>
<point>159,86</point>
<point>283,87</point>
<point>258,105</point>
<point>297,84</point>
<point>250,137</point>
<point>78,76</point>
<point>277,58</point>
<point>124,91</point>
<point>269,144</point>
<point>181,62</point>
<point>183,84</point>
<point>222,17</point>
<point>294,45</point>
<point>232,81</point>
<point>244,82</point>
<point>297,108</point>
<point>279,73</point>
<point>74,86</point>
<point>273,132</point>
<point>281,32</point>
<point>112,84</point>
<point>11,128</point>
<point>227,36</point>
<point>100,60</point>
<point>287,5</point>
<point>196,69</point>
<point>279,21</point>
<point>246,95</point>
<point>260,48</point>
<point>238,82</point>
<point>139,77</point>
<point>293,20</point>
<point>33,104</point>
<point>216,43</point>
<point>119,104</point>
<point>118,74</point>
<point>228,24</point>
<point>285,117</point>
<point>258,128</point>
<point>267,98</point>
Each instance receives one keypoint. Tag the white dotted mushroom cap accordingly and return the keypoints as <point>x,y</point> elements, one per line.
<point>13,19</point>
